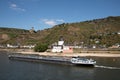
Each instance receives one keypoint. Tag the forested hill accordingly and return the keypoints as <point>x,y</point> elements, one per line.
<point>103,31</point>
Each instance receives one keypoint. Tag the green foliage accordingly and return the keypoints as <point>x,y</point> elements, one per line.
<point>12,30</point>
<point>12,35</point>
<point>41,47</point>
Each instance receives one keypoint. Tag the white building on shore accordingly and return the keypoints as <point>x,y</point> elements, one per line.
<point>61,48</point>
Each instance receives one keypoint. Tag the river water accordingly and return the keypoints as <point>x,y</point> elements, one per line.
<point>105,69</point>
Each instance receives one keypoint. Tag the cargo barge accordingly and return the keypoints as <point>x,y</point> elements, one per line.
<point>53,59</point>
<point>39,58</point>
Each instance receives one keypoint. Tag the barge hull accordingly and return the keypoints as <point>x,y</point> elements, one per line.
<point>44,59</point>
<point>50,59</point>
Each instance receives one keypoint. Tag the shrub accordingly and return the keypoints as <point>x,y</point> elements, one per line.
<point>41,47</point>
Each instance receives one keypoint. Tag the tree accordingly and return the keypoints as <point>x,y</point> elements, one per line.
<point>41,47</point>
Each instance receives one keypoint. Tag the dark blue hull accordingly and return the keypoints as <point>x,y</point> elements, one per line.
<point>49,59</point>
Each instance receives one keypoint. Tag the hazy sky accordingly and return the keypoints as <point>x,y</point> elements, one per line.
<point>42,14</point>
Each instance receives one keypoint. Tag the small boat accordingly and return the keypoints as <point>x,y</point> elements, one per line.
<point>82,61</point>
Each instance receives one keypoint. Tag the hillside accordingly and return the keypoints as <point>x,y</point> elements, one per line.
<point>94,32</point>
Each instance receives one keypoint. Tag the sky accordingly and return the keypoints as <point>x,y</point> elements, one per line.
<point>43,14</point>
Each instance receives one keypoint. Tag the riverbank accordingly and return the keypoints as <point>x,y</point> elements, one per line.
<point>83,53</point>
<point>73,54</point>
